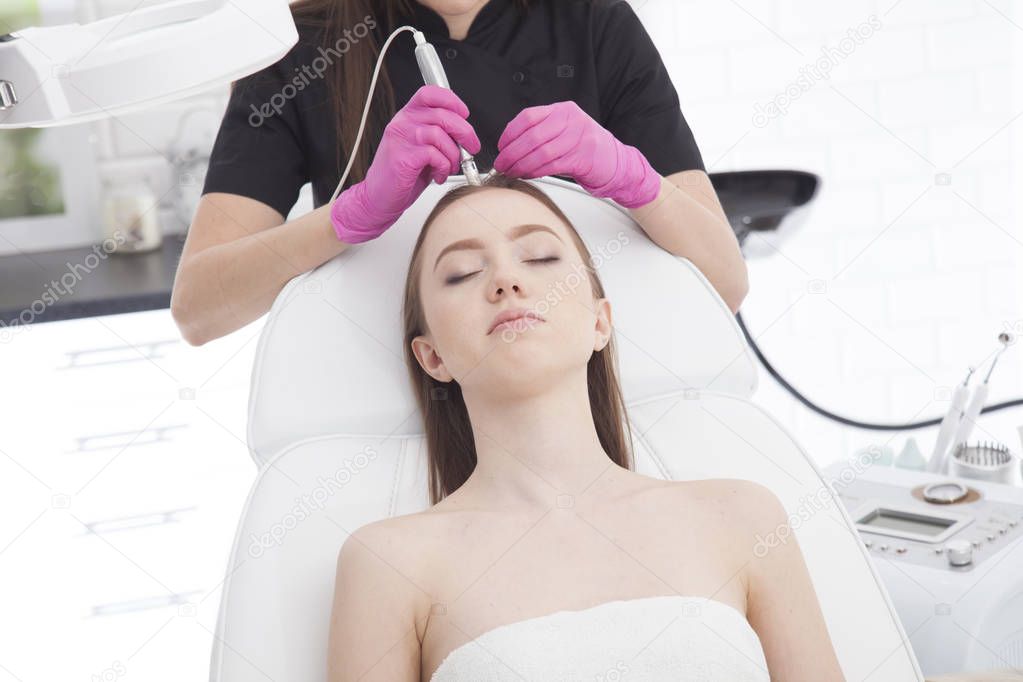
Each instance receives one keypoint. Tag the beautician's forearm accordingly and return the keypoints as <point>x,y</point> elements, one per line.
<point>681,225</point>
<point>226,286</point>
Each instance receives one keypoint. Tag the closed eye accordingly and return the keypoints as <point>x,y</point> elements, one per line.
<point>456,280</point>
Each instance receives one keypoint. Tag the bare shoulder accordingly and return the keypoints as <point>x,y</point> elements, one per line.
<point>396,540</point>
<point>782,605</point>
<point>755,509</point>
<point>413,539</point>
<point>374,560</point>
<point>387,557</point>
<point>743,511</point>
<point>753,517</point>
<point>380,602</point>
<point>741,499</point>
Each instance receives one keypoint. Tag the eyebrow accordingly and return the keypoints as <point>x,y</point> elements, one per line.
<point>472,243</point>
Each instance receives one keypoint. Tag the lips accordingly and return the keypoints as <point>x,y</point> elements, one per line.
<point>512,315</point>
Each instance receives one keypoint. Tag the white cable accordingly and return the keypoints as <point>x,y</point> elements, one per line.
<point>365,111</point>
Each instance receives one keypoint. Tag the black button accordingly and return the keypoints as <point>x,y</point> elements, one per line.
<point>518,77</point>
<point>451,53</point>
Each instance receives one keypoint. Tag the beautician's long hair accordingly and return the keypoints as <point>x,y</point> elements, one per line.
<point>349,77</point>
<point>451,449</point>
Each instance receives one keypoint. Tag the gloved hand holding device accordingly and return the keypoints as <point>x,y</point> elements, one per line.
<point>419,144</point>
<point>562,139</point>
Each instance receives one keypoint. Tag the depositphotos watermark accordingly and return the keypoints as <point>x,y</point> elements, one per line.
<point>114,671</point>
<point>307,73</point>
<point>818,70</point>
<point>819,499</point>
<point>64,287</point>
<point>307,505</point>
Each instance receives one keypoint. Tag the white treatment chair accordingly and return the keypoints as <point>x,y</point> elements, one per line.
<point>337,435</point>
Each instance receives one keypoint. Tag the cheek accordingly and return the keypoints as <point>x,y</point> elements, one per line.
<point>579,316</point>
<point>572,320</point>
<point>453,329</point>
<point>583,323</point>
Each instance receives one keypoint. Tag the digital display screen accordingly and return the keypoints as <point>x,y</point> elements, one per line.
<point>909,523</point>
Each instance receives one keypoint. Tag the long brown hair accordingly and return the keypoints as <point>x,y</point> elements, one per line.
<point>451,449</point>
<point>349,78</point>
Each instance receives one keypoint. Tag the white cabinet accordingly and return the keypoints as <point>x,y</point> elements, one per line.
<point>123,469</point>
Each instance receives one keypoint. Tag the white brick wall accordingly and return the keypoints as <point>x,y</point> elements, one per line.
<point>917,286</point>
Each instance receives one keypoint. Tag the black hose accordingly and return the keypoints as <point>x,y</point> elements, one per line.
<point>844,420</point>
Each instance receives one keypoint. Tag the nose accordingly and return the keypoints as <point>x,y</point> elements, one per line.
<point>506,279</point>
<point>503,284</point>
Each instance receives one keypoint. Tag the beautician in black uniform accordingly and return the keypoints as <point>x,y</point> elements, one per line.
<point>286,126</point>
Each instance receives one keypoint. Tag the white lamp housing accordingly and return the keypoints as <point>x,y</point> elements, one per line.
<point>73,73</point>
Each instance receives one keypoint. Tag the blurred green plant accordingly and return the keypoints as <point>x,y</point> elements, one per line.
<point>18,14</point>
<point>28,186</point>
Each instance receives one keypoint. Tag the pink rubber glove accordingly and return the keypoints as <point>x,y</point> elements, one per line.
<point>562,139</point>
<point>418,144</point>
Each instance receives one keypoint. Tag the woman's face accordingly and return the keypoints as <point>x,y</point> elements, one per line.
<point>493,251</point>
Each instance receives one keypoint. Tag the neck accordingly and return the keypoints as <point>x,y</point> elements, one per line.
<point>459,21</point>
<point>532,447</point>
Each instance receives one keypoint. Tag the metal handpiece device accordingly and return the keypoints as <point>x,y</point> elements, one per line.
<point>433,74</point>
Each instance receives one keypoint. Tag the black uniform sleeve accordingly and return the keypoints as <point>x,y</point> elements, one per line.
<point>638,101</point>
<point>259,151</point>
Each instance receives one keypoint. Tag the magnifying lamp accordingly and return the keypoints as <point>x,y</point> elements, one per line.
<point>73,73</point>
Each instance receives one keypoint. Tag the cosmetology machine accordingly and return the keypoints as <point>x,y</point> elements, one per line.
<point>947,537</point>
<point>950,551</point>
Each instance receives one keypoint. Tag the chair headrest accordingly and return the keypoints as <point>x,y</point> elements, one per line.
<point>330,357</point>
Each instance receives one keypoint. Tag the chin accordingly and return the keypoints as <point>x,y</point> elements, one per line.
<point>527,364</point>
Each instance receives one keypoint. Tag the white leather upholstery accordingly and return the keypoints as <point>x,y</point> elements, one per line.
<point>335,429</point>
